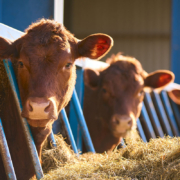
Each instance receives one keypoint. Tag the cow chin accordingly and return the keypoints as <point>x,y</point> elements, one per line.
<point>40,122</point>
<point>118,134</point>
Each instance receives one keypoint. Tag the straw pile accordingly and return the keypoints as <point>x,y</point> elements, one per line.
<point>158,159</point>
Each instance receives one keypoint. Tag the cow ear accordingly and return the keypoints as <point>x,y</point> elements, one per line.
<point>91,78</point>
<point>175,95</point>
<point>95,46</point>
<point>159,79</point>
<point>8,49</point>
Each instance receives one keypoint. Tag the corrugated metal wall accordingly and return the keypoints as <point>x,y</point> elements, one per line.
<point>140,28</point>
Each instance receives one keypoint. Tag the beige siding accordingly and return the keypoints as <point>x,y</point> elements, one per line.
<point>140,28</point>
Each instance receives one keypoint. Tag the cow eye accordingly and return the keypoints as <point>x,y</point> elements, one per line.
<point>20,64</point>
<point>104,90</point>
<point>141,93</point>
<point>68,65</point>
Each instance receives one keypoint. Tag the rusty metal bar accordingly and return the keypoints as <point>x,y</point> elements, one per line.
<point>6,157</point>
<point>26,128</point>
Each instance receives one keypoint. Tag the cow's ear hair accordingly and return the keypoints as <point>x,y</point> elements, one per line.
<point>175,95</point>
<point>8,49</point>
<point>94,46</point>
<point>91,78</point>
<point>159,79</point>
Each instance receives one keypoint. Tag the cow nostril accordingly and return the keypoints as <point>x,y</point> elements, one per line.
<point>30,108</point>
<point>47,109</point>
<point>130,123</point>
<point>116,121</point>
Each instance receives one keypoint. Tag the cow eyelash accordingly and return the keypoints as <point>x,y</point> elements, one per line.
<point>68,65</point>
<point>20,64</point>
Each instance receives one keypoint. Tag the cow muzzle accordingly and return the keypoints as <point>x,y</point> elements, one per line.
<point>120,124</point>
<point>40,109</point>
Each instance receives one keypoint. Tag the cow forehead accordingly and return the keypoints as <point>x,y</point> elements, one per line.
<point>117,81</point>
<point>51,53</point>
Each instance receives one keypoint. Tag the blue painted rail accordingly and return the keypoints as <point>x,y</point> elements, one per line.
<point>68,130</point>
<point>82,123</point>
<point>5,154</point>
<point>26,128</point>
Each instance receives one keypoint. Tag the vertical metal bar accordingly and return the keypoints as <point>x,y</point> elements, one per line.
<point>1,10</point>
<point>152,115</point>
<point>82,123</point>
<point>51,140</point>
<point>75,127</point>
<point>175,39</point>
<point>26,128</point>
<point>176,112</point>
<point>6,157</point>
<point>68,129</point>
<point>141,131</point>
<point>161,114</point>
<point>170,114</point>
<point>147,123</point>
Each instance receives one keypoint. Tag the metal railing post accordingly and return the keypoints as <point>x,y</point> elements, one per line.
<point>6,157</point>
<point>26,128</point>
<point>82,123</point>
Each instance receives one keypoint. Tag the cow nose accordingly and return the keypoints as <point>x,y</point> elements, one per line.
<point>124,122</point>
<point>40,108</point>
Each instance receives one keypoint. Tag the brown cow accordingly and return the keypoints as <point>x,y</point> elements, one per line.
<point>113,98</point>
<point>43,60</point>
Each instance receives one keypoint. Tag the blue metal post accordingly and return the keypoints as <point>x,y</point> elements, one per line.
<point>170,114</point>
<point>152,115</point>
<point>147,123</point>
<point>161,114</point>
<point>72,115</point>
<point>176,112</point>
<point>6,157</point>
<point>82,123</point>
<point>175,39</point>
<point>68,130</point>
<point>141,131</point>
<point>28,135</point>
<point>0,10</point>
<point>52,140</point>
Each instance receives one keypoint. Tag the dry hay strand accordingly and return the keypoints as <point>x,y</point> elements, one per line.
<point>57,157</point>
<point>158,159</point>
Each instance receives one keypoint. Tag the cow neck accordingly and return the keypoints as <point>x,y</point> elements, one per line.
<point>40,135</point>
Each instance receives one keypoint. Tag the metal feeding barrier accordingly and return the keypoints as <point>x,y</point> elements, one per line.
<point>159,116</point>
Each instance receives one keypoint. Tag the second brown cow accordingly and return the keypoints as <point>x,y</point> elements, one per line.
<point>113,98</point>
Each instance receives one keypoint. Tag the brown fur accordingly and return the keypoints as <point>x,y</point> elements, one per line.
<point>43,59</point>
<point>113,99</point>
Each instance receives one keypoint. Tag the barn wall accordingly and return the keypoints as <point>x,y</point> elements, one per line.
<point>19,14</point>
<point>140,28</point>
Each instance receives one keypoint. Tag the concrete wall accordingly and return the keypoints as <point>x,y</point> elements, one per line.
<point>140,28</point>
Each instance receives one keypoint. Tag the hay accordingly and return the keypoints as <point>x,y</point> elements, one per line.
<point>57,157</point>
<point>158,159</point>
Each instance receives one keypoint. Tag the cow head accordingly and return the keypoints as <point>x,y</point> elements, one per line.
<point>120,89</point>
<point>44,64</point>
